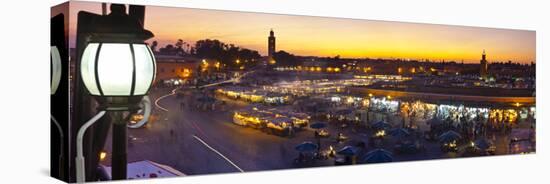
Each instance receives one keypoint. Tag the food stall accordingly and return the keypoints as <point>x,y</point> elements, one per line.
<point>276,122</point>
<point>281,126</point>
<point>248,118</point>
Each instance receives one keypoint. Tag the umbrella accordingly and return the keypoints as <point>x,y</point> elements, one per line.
<point>449,136</point>
<point>378,156</point>
<point>482,144</point>
<point>347,151</point>
<point>318,125</point>
<point>306,147</point>
<point>400,132</point>
<point>381,125</point>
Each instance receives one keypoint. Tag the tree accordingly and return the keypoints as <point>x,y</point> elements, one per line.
<point>227,54</point>
<point>179,47</point>
<point>284,58</point>
<point>209,49</point>
<point>168,50</point>
<point>154,46</point>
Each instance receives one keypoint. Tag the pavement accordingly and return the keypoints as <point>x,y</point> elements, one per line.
<point>202,142</point>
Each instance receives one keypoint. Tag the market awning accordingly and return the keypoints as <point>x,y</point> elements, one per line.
<point>449,136</point>
<point>378,156</point>
<point>347,151</point>
<point>483,144</point>
<point>381,125</point>
<point>399,132</point>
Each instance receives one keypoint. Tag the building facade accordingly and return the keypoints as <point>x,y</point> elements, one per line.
<point>175,67</point>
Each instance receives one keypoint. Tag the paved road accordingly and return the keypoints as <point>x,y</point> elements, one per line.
<point>221,145</point>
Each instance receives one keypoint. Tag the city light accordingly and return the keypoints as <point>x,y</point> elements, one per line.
<point>380,133</point>
<point>367,69</point>
<point>204,64</point>
<point>186,73</point>
<point>102,155</point>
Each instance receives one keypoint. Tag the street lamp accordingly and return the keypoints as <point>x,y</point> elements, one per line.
<point>55,62</point>
<point>117,69</point>
<point>56,70</point>
<point>118,75</point>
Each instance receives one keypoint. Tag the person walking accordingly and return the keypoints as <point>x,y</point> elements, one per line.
<point>172,133</point>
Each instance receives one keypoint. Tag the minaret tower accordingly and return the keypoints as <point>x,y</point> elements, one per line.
<point>271,46</point>
<point>484,67</point>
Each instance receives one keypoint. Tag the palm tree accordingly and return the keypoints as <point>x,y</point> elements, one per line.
<point>179,47</point>
<point>154,46</point>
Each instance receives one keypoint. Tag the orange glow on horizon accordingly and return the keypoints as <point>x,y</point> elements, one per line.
<point>319,36</point>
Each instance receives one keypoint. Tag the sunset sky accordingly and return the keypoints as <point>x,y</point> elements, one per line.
<point>318,36</point>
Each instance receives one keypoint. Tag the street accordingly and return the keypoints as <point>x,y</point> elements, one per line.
<point>206,141</point>
<point>183,149</point>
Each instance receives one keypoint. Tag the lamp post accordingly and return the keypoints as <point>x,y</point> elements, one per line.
<point>118,75</point>
<point>55,79</point>
<point>117,68</point>
<point>58,96</point>
<point>55,62</point>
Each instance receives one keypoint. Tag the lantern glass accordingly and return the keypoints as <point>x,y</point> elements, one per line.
<point>87,68</point>
<point>146,66</point>
<point>114,68</point>
<point>56,69</point>
<point>117,69</point>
